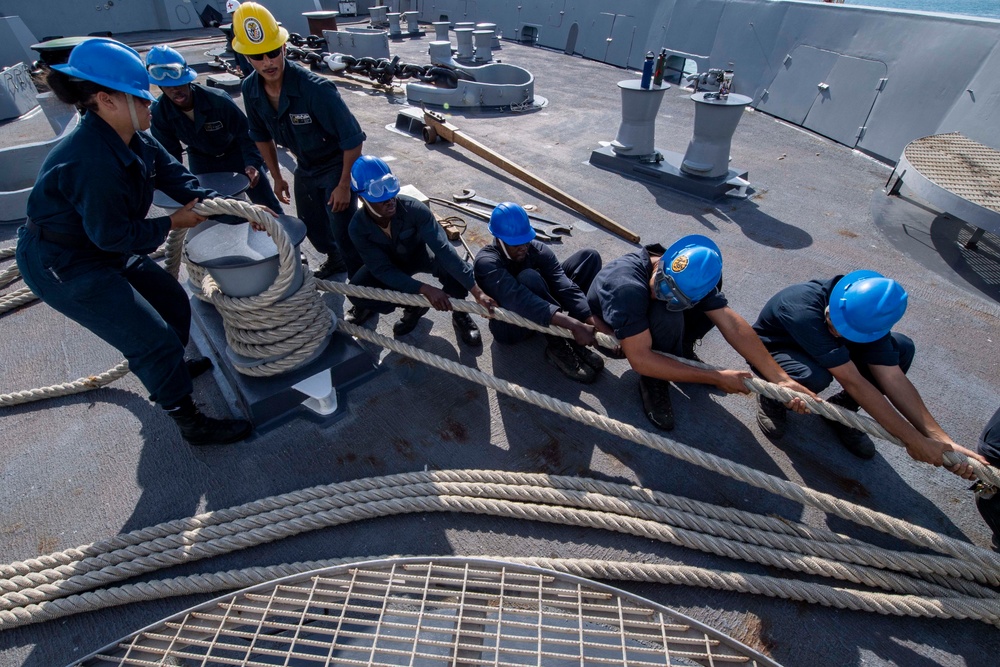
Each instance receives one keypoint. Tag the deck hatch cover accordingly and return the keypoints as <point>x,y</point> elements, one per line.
<point>421,612</point>
<point>960,165</point>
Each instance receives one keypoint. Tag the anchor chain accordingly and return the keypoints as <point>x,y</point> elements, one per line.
<point>311,51</point>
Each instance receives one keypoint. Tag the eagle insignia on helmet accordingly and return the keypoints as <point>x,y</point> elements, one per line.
<point>679,264</point>
<point>254,30</point>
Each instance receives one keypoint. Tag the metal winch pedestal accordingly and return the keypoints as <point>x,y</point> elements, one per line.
<point>244,263</point>
<point>703,170</point>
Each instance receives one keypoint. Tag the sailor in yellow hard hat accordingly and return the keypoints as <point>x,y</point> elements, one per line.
<point>303,111</point>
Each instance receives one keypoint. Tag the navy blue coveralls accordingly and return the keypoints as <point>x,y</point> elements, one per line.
<point>621,294</point>
<point>792,326</point>
<point>989,446</point>
<point>217,140</point>
<point>83,249</point>
<point>314,123</point>
<point>536,288</point>
<point>416,244</point>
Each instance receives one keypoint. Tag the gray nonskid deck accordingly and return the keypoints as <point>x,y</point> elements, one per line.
<point>81,468</point>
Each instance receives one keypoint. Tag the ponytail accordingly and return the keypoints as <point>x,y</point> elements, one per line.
<point>78,92</point>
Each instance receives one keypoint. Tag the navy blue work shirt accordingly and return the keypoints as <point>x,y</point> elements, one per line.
<point>312,121</point>
<point>989,441</point>
<point>94,189</point>
<point>794,318</point>
<point>218,139</point>
<point>497,276</point>
<point>621,294</point>
<point>412,232</point>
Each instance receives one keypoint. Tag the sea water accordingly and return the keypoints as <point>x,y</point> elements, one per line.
<point>979,8</point>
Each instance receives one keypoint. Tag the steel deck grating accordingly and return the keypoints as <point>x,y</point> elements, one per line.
<point>960,165</point>
<point>420,612</point>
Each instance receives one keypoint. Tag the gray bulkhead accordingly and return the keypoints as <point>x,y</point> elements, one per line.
<point>874,79</point>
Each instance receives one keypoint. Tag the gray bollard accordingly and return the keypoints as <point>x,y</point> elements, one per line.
<point>465,24</point>
<point>244,262</point>
<point>636,134</point>
<point>492,27</point>
<point>715,122</point>
<point>412,22</point>
<point>394,29</point>
<point>360,43</point>
<point>482,45</point>
<point>441,29</point>
<point>440,53</point>
<point>463,37</point>
<point>379,16</point>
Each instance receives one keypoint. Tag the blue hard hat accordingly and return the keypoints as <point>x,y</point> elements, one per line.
<point>167,67</point>
<point>865,304</point>
<point>509,223</point>
<point>110,64</point>
<point>688,271</point>
<point>372,179</point>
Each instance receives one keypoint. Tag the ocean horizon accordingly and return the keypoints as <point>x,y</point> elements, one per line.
<point>980,8</point>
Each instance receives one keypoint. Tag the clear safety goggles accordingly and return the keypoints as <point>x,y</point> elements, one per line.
<point>666,290</point>
<point>163,72</point>
<point>380,186</point>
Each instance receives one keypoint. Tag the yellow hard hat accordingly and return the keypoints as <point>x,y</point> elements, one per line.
<point>255,31</point>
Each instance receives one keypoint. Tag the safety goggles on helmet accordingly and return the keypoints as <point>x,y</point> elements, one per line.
<point>666,290</point>
<point>169,71</point>
<point>260,56</point>
<point>378,187</point>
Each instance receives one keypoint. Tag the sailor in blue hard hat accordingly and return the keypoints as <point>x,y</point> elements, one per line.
<point>83,249</point>
<point>665,300</point>
<point>398,237</point>
<point>207,122</point>
<point>523,276</point>
<point>841,329</point>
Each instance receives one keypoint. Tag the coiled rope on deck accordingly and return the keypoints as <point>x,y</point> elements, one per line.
<point>59,584</point>
<point>287,334</point>
<point>282,331</point>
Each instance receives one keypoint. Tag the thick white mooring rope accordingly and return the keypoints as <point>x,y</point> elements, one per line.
<point>942,586</point>
<point>40,593</point>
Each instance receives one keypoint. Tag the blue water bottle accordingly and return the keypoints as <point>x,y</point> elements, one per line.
<point>647,71</point>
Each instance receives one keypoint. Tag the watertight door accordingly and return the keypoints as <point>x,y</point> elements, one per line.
<point>594,38</point>
<point>793,91</point>
<point>620,51</point>
<point>846,98</point>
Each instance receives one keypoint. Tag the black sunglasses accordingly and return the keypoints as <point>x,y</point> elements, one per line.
<point>270,54</point>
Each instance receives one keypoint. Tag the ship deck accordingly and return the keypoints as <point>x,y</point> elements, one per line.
<point>85,467</point>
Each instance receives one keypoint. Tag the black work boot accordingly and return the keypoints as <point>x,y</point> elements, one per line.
<point>198,366</point>
<point>772,416</point>
<point>560,353</point>
<point>334,264</point>
<point>408,322</point>
<point>358,315</point>
<point>200,430</point>
<point>656,402</point>
<point>467,329</point>
<point>588,356</point>
<point>853,440</point>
